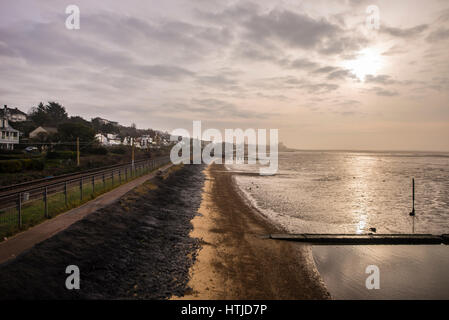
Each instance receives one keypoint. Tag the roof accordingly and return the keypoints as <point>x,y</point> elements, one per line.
<point>12,111</point>
<point>46,129</point>
<point>50,129</point>
<point>9,129</point>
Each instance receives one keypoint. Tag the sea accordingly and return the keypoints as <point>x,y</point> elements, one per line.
<point>353,192</point>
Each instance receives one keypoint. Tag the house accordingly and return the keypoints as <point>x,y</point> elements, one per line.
<point>9,136</point>
<point>13,115</point>
<point>144,141</point>
<point>44,130</point>
<point>102,139</point>
<point>113,139</point>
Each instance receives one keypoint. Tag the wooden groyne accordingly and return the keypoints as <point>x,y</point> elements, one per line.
<point>363,239</point>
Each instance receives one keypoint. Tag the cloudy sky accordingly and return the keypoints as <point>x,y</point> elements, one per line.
<point>311,69</point>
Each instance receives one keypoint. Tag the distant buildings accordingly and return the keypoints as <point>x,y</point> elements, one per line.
<point>44,130</point>
<point>109,139</point>
<point>113,139</point>
<point>13,115</point>
<point>9,136</point>
<point>142,142</point>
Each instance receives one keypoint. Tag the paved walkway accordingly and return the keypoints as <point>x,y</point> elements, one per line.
<point>23,241</point>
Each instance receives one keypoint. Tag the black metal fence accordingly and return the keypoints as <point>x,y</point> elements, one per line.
<point>27,207</point>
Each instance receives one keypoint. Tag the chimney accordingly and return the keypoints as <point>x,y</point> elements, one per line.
<point>5,117</point>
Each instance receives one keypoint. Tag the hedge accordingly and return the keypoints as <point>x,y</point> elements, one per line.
<point>13,166</point>
<point>98,150</point>
<point>61,155</point>
<point>118,149</point>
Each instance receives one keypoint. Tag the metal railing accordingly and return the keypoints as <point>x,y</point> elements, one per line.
<point>29,206</point>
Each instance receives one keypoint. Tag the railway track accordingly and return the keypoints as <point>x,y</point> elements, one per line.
<point>23,186</point>
<point>11,195</point>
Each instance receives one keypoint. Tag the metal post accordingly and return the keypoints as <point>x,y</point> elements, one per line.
<point>120,176</point>
<point>65,194</point>
<point>20,210</point>
<point>132,153</point>
<point>46,201</point>
<point>81,189</point>
<point>104,182</point>
<point>126,174</point>
<point>77,151</point>
<point>93,185</point>
<point>412,214</point>
<point>112,177</point>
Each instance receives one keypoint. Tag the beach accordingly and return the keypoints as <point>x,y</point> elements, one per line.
<point>235,261</point>
<point>348,192</point>
<point>186,233</point>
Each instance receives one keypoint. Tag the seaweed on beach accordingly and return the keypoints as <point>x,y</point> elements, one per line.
<point>136,248</point>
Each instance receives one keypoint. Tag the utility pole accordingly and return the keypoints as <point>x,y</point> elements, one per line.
<point>77,151</point>
<point>132,153</point>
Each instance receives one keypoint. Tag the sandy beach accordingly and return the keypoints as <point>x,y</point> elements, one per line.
<point>235,261</point>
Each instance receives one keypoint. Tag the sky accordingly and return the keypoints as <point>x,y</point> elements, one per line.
<point>314,70</point>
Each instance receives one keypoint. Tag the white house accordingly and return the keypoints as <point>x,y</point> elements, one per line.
<point>9,136</point>
<point>144,142</point>
<point>102,139</point>
<point>113,139</point>
<point>128,141</point>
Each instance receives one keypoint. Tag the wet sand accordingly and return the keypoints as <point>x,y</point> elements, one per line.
<point>234,261</point>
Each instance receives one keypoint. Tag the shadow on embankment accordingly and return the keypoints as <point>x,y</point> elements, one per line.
<point>136,248</point>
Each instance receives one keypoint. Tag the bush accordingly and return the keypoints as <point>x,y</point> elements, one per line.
<point>61,155</point>
<point>19,156</point>
<point>10,152</point>
<point>13,166</point>
<point>36,164</point>
<point>118,150</point>
<point>98,150</point>
<point>10,166</point>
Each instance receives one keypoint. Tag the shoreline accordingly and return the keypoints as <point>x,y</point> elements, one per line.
<point>234,261</point>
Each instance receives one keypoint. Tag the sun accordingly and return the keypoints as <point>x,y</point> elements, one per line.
<point>368,62</point>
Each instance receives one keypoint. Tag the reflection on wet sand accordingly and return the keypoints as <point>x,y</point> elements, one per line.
<point>406,272</point>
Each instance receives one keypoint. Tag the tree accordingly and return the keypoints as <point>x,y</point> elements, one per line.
<point>39,115</point>
<point>51,114</point>
<point>56,113</point>
<point>78,119</point>
<point>69,131</point>
<point>103,128</point>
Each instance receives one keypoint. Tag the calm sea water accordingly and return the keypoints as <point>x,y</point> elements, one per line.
<point>350,192</point>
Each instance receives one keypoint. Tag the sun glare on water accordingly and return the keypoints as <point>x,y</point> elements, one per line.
<point>368,62</point>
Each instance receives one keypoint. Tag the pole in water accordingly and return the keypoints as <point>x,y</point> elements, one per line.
<point>412,214</point>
